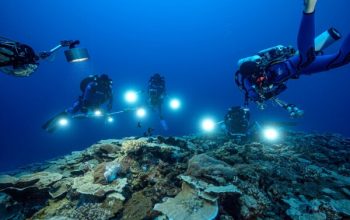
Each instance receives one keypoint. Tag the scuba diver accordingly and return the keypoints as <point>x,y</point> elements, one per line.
<point>18,59</point>
<point>96,91</point>
<point>263,76</point>
<point>238,127</point>
<point>237,120</point>
<point>236,123</point>
<point>156,94</point>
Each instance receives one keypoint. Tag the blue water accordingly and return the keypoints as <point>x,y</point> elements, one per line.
<point>195,44</point>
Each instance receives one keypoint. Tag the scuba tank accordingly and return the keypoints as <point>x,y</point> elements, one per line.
<point>266,57</point>
<point>86,81</point>
<point>326,39</point>
<point>237,120</point>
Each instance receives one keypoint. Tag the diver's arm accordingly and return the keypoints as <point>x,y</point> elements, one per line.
<point>63,43</point>
<point>88,92</point>
<point>251,92</point>
<point>279,89</point>
<point>77,106</point>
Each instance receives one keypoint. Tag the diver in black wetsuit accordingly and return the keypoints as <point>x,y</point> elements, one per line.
<point>156,92</point>
<point>96,91</point>
<point>263,76</point>
<point>17,59</point>
<point>237,124</point>
<point>237,120</point>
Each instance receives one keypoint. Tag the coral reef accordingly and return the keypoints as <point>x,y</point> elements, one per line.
<point>303,176</point>
<point>188,205</point>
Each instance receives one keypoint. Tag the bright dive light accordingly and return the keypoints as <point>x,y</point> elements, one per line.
<point>208,125</point>
<point>98,113</point>
<point>175,104</point>
<point>270,134</point>
<point>75,55</point>
<point>110,119</point>
<point>131,96</point>
<point>63,122</point>
<point>141,112</point>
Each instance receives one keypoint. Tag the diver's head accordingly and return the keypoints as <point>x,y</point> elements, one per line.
<point>24,55</point>
<point>156,76</point>
<point>32,57</point>
<point>249,68</point>
<point>105,79</point>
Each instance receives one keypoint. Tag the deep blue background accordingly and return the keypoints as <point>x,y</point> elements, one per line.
<point>194,43</point>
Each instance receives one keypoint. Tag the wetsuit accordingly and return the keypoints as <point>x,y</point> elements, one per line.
<point>95,94</point>
<point>156,91</point>
<point>237,120</point>
<point>156,95</point>
<point>306,62</point>
<point>17,59</point>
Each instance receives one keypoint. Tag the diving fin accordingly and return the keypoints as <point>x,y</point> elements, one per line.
<point>164,124</point>
<point>51,125</point>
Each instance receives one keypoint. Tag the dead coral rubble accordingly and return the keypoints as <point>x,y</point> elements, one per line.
<point>304,176</point>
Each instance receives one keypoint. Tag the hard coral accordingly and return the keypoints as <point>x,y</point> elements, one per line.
<point>203,166</point>
<point>188,205</point>
<point>133,145</point>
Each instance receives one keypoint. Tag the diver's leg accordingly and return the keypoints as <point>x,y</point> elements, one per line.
<point>306,37</point>
<point>327,62</point>
<point>161,117</point>
<point>76,106</point>
<point>5,56</point>
<point>50,124</point>
<point>47,124</point>
<point>343,56</point>
<point>4,60</point>
<point>160,111</point>
<point>88,92</point>
<point>306,41</point>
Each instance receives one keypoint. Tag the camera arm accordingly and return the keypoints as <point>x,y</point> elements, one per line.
<point>64,43</point>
